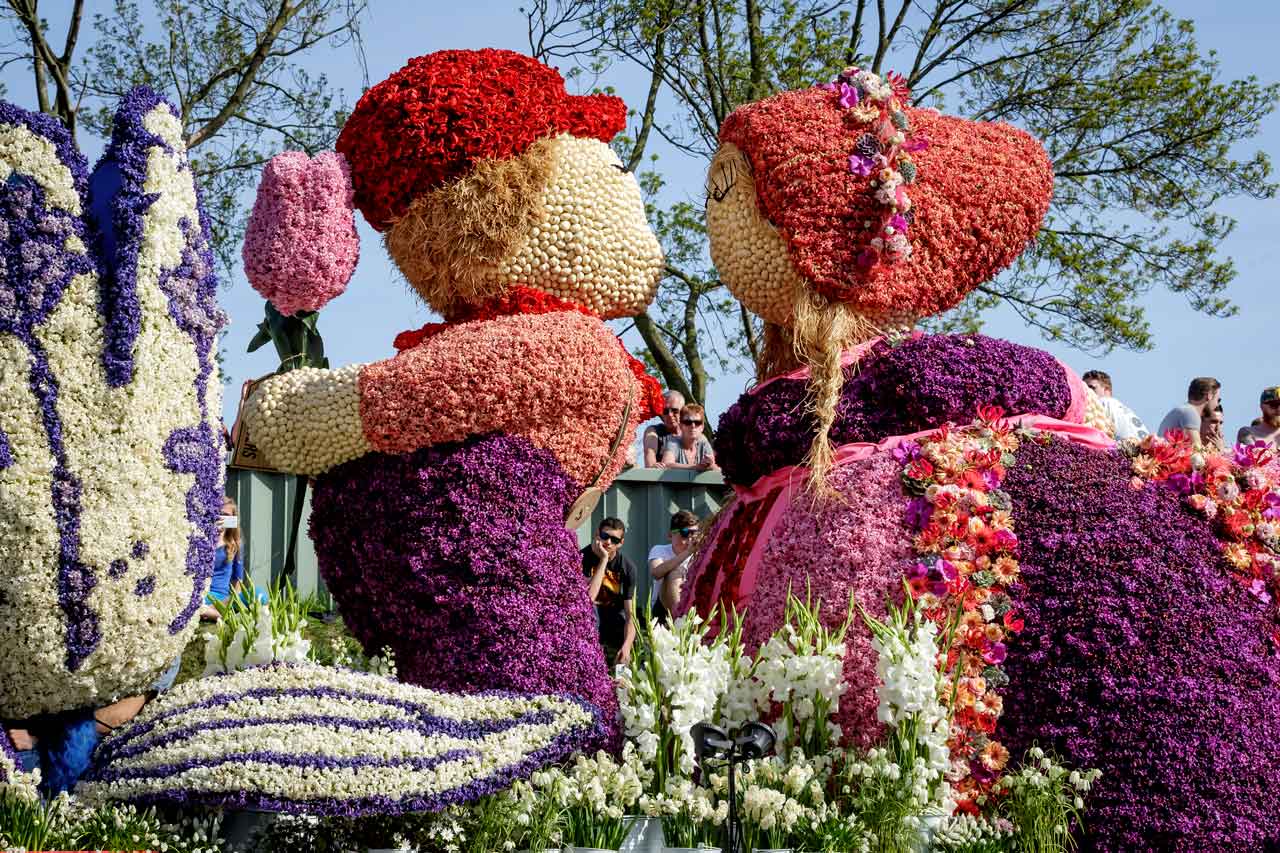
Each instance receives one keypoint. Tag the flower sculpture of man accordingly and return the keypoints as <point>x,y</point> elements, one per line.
<point>445,475</point>
<point>1086,601</point>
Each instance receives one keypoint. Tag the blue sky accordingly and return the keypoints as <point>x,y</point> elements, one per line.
<point>1241,351</point>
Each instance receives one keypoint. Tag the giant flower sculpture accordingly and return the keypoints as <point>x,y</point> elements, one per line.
<point>445,474</point>
<point>1114,610</point>
<point>110,464</point>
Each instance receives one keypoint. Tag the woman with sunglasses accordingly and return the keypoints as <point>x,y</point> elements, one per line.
<point>690,449</point>
<point>655,435</point>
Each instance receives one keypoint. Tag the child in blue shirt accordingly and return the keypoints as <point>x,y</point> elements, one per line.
<point>228,562</point>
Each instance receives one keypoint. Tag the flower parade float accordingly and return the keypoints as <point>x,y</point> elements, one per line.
<point>444,476</point>
<point>1114,610</point>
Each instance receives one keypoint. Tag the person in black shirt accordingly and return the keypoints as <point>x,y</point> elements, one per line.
<point>612,588</point>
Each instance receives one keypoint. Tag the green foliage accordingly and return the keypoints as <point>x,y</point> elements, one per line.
<point>67,824</point>
<point>234,68</point>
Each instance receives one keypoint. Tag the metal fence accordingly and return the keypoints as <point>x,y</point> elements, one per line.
<point>644,498</point>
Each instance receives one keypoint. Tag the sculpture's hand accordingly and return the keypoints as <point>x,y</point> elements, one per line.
<point>307,421</point>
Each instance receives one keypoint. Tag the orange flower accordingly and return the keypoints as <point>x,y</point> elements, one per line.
<point>1006,570</point>
<point>994,756</point>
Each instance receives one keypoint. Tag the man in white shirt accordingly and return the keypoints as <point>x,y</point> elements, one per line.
<point>1128,426</point>
<point>669,563</point>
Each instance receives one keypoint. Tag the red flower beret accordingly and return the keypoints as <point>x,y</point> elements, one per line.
<point>980,195</point>
<point>425,125</point>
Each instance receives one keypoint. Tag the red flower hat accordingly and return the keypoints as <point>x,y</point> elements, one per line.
<point>429,122</point>
<point>979,196</point>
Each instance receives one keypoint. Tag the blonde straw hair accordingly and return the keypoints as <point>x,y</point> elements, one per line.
<point>231,538</point>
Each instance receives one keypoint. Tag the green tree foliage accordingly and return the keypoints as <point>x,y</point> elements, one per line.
<point>233,68</point>
<point>1143,132</point>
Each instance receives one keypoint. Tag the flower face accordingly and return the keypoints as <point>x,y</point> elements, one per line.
<point>748,251</point>
<point>592,245</point>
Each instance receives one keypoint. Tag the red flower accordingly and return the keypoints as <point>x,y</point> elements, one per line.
<point>920,469</point>
<point>1012,621</point>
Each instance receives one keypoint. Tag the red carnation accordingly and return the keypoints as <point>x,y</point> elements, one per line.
<point>425,125</point>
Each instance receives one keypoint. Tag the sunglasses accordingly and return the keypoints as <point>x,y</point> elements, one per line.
<point>608,537</point>
<point>690,422</point>
<point>686,532</point>
<point>1270,404</point>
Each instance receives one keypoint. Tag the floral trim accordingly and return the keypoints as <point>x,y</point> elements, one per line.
<point>964,579</point>
<point>884,151</point>
<point>1239,494</point>
<point>321,740</point>
<point>301,245</point>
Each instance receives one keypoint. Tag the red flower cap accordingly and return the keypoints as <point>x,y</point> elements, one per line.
<point>425,125</point>
<point>981,194</point>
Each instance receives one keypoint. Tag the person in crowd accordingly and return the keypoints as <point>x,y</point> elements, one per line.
<point>690,449</point>
<point>1267,427</point>
<point>669,562</point>
<point>1128,426</point>
<point>1203,393</point>
<point>228,562</point>
<point>1211,429</point>
<point>612,588</point>
<point>654,435</point>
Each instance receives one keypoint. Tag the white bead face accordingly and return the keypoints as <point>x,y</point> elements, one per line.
<point>748,252</point>
<point>593,245</point>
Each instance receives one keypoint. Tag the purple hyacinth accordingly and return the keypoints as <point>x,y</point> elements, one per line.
<point>1142,657</point>
<point>917,385</point>
<point>456,556</point>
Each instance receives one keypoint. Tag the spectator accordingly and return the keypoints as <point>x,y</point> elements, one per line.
<point>612,589</point>
<point>690,449</point>
<point>1203,394</point>
<point>228,562</point>
<point>654,436</point>
<point>669,563</point>
<point>1128,426</point>
<point>1267,427</point>
<point>1211,429</point>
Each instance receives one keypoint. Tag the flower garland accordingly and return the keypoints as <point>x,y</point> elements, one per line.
<point>321,740</point>
<point>1238,494</point>
<point>883,152</point>
<point>968,568</point>
<point>112,335</point>
<point>301,245</point>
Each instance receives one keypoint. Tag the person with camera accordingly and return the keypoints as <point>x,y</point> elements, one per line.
<point>612,589</point>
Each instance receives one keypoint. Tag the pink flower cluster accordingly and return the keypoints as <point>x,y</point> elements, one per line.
<point>301,245</point>
<point>858,544</point>
<point>559,379</point>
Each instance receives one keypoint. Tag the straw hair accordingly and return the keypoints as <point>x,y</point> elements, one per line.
<point>451,241</point>
<point>821,332</point>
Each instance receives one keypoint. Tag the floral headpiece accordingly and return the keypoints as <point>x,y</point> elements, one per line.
<point>883,152</point>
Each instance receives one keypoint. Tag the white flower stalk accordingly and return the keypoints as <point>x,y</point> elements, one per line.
<point>675,680</point>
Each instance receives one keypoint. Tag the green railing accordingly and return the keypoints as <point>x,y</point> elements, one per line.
<point>644,498</point>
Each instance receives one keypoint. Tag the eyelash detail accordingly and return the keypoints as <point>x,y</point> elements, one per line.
<point>621,168</point>
<point>721,182</point>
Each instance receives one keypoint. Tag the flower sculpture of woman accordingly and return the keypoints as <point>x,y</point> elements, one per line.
<point>1111,604</point>
<point>445,474</point>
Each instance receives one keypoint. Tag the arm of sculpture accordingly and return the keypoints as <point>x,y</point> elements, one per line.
<point>560,379</point>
